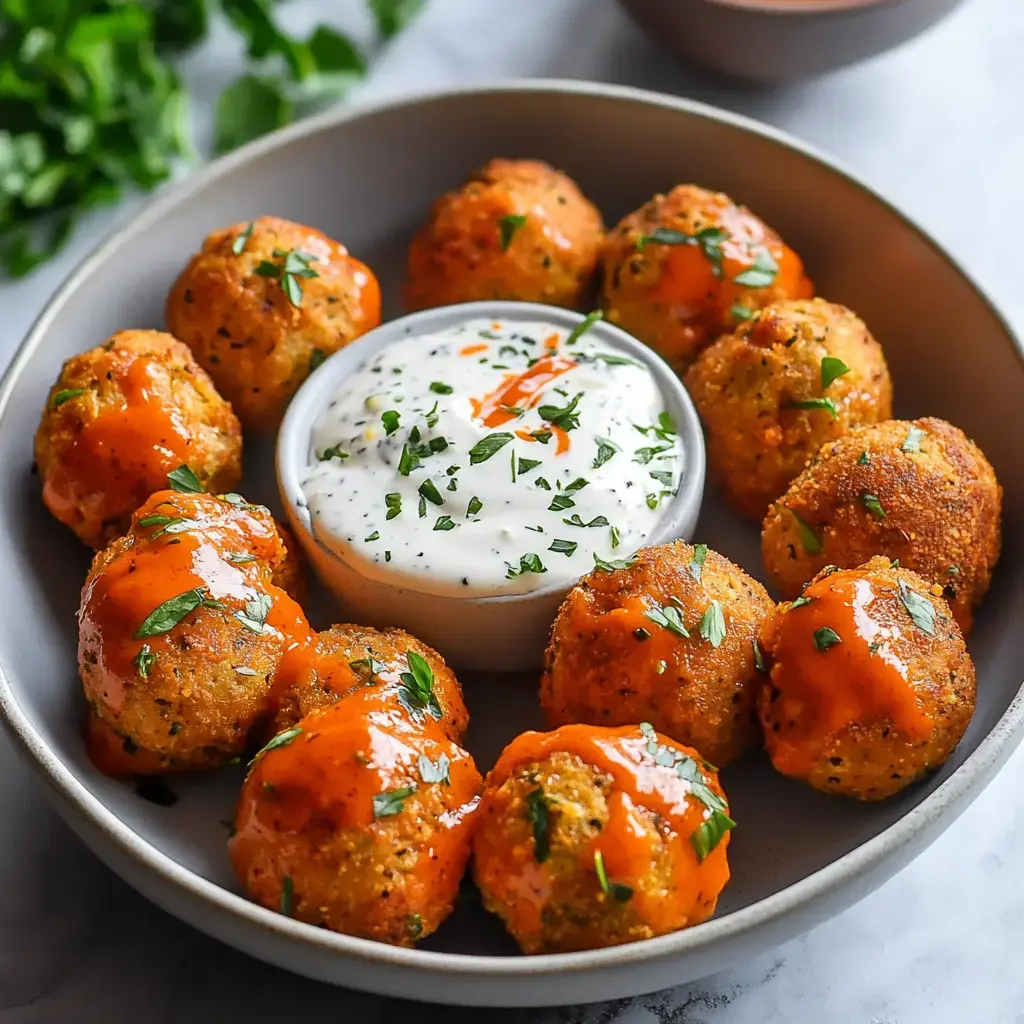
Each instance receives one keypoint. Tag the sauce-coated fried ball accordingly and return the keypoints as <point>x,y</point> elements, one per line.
<point>871,684</point>
<point>262,308</point>
<point>359,819</point>
<point>691,265</point>
<point>121,417</point>
<point>517,229</point>
<point>346,657</point>
<point>920,492</point>
<point>799,373</point>
<point>669,640</point>
<point>181,629</point>
<point>591,837</point>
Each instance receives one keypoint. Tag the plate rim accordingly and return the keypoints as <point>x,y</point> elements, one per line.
<point>939,808</point>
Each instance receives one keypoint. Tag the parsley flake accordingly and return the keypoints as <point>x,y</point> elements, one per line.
<point>487,446</point>
<point>920,609</point>
<point>507,228</point>
<point>538,814</point>
<point>391,802</point>
<point>184,481</point>
<point>826,637</point>
<point>712,624</point>
<point>832,368</point>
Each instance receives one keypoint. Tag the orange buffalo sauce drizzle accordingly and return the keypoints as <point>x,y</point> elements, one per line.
<point>130,447</point>
<point>326,779</point>
<point>625,842</point>
<point>821,692</point>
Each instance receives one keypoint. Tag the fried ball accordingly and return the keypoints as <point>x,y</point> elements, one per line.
<point>262,305</point>
<point>669,640</point>
<point>359,819</point>
<point>181,629</point>
<point>920,492</point>
<point>591,837</point>
<point>871,685</point>
<point>517,229</point>
<point>290,571</point>
<point>346,657</point>
<point>797,374</point>
<point>121,417</point>
<point>691,265</point>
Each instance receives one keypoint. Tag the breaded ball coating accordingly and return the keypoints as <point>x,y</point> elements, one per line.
<point>517,229</point>
<point>670,640</point>
<point>920,492</point>
<point>871,684</point>
<point>591,837</point>
<point>691,265</point>
<point>358,819</point>
<point>290,571</point>
<point>119,418</point>
<point>799,373</point>
<point>263,304</point>
<point>181,629</point>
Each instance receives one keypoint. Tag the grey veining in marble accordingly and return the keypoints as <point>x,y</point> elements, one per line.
<point>937,127</point>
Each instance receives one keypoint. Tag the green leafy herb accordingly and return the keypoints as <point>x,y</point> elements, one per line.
<point>564,547</point>
<point>487,446</point>
<point>432,772</point>
<point>566,417</point>
<point>920,609</point>
<point>810,541</point>
<point>287,896</point>
<point>417,691</point>
<point>254,613</point>
<point>316,359</point>
<point>818,403</point>
<point>440,388</point>
<point>605,450</point>
<point>295,265</point>
<point>391,802</point>
<point>507,228</point>
<point>872,504</point>
<point>282,739</point>
<point>373,536</point>
<point>761,274</point>
<point>611,564</point>
<point>414,926</point>
<point>527,563</point>
<point>65,395</point>
<point>574,520</point>
<point>393,503</point>
<point>474,506</point>
<point>560,502</point>
<point>742,313</point>
<point>832,368</point>
<point>696,566</point>
<point>662,476</point>
<point>393,15</point>
<point>712,624</point>
<point>913,441</point>
<point>709,834</point>
<point>708,240</point>
<point>541,435</point>
<point>538,814</point>
<point>864,459</point>
<point>644,455</point>
<point>390,420</point>
<point>826,637</point>
<point>239,557</point>
<point>184,480</point>
<point>525,465</point>
<point>334,452</point>
<point>422,509</point>
<point>800,602</point>
<point>542,483</point>
<point>429,490</point>
<point>759,662</point>
<point>618,891</point>
<point>166,616</point>
<point>372,666</point>
<point>143,661</point>
<point>444,523</point>
<point>239,244</point>
<point>581,328</point>
<point>616,536</point>
<point>407,462</point>
<point>668,618</point>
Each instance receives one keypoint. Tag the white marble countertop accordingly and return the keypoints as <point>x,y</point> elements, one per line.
<point>935,126</point>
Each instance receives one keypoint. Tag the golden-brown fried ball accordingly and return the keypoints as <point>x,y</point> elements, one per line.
<point>359,819</point>
<point>346,657</point>
<point>591,837</point>
<point>799,373</point>
<point>517,229</point>
<point>691,265</point>
<point>871,684</point>
<point>121,417</point>
<point>262,305</point>
<point>920,492</point>
<point>669,640</point>
<point>181,629</point>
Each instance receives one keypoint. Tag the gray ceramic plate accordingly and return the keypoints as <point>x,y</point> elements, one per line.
<point>367,176</point>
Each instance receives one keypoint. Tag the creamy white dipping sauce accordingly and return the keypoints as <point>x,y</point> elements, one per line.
<point>491,458</point>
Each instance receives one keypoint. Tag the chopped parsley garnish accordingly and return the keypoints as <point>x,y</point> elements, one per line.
<point>818,403</point>
<point>525,465</point>
<point>563,547</point>
<point>574,520</point>
<point>668,618</point>
<point>390,420</point>
<point>872,504</point>
<point>334,452</point>
<point>696,566</point>
<point>474,506</point>
<point>581,328</point>
<point>826,637</point>
<point>712,624</point>
<point>913,440</point>
<point>287,896</point>
<point>566,417</point>
<point>761,274</point>
<point>618,891</point>
<point>316,359</point>
<point>407,462</point>
<point>543,483</point>
<point>527,563</point>
<point>185,481</point>
<point>254,614</point>
<point>428,489</point>
<point>664,429</point>
<point>708,240</point>
<point>390,802</point>
<point>373,536</point>
<point>864,459</point>
<point>576,485</point>
<point>800,602</point>
<point>372,666</point>
<point>295,265</point>
<point>393,503</point>
<point>65,395</point>
<point>644,455</point>
<point>507,228</point>
<point>440,388</point>
<point>434,771</point>
<point>832,369</point>
<point>538,814</point>
<point>414,926</point>
<point>810,541</point>
<point>605,450</point>
<point>432,417</point>
<point>742,313</point>
<point>662,476</point>
<point>616,536</point>
<point>166,616</point>
<point>705,838</point>
<point>560,502</point>
<point>759,662</point>
<point>541,435</point>
<point>168,524</point>
<point>239,557</point>
<point>920,609</point>
<point>611,564</point>
<point>422,509</point>
<point>444,523</point>
<point>240,242</point>
<point>487,446</point>
<point>282,739</point>
<point>143,661</point>
<point>416,693</point>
